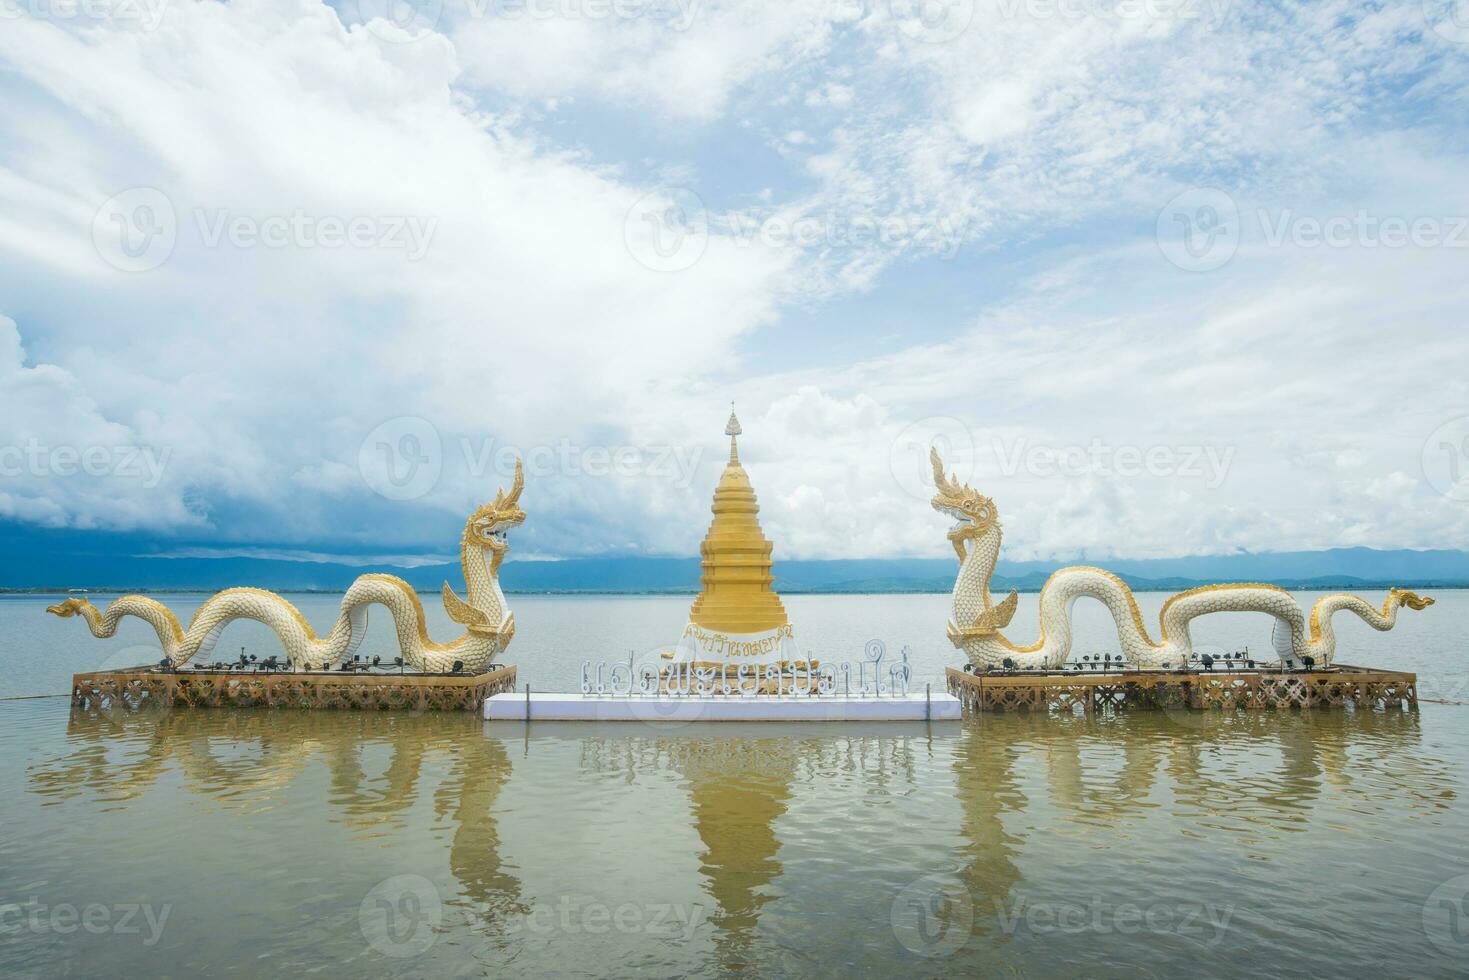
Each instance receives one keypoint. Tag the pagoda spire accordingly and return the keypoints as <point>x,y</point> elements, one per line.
<point>733,429</point>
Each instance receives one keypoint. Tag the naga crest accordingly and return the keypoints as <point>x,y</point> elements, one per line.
<point>974,511</point>
<point>488,526</point>
<point>1412,600</point>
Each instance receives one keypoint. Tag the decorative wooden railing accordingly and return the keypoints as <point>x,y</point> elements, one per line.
<point>137,687</point>
<point>1089,692</point>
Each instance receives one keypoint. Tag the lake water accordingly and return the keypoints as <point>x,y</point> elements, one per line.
<point>1147,844</point>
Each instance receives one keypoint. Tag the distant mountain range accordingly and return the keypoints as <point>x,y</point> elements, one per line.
<point>1359,568</point>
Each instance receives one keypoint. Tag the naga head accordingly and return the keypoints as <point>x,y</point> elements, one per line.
<point>487,527</point>
<point>972,510</point>
<point>71,607</point>
<point>1402,597</point>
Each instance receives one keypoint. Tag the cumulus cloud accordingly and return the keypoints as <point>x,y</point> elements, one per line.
<point>683,59</point>
<point>870,236</point>
<point>64,463</point>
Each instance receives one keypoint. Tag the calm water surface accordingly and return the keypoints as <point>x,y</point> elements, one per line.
<point>1153,844</point>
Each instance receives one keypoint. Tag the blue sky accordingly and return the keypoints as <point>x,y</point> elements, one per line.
<point>286,278</point>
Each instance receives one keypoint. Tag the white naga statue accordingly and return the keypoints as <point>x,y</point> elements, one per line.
<point>977,620</point>
<point>489,624</point>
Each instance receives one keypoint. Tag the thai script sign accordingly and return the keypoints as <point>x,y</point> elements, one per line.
<point>866,678</point>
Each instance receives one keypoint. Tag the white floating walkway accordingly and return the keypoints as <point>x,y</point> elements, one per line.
<point>682,710</point>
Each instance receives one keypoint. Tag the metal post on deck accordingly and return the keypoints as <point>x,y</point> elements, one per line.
<point>928,701</point>
<point>527,702</point>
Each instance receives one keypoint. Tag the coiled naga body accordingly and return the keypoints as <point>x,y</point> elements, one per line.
<point>489,624</point>
<point>977,620</point>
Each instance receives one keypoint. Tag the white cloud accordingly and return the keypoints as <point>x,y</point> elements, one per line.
<point>527,315</point>
<point>63,462</point>
<point>1051,144</point>
<point>681,59</point>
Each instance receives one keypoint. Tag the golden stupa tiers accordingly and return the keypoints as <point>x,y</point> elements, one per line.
<point>737,618</point>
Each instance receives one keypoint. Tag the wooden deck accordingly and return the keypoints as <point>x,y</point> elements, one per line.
<point>136,687</point>
<point>1089,692</point>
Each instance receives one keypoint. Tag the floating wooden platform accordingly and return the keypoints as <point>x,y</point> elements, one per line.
<point>135,687</point>
<point>1260,689</point>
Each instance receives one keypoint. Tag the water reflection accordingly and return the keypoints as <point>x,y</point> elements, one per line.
<point>247,761</point>
<point>741,785</point>
<point>803,833</point>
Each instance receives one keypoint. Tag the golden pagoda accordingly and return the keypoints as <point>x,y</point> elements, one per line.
<point>737,618</point>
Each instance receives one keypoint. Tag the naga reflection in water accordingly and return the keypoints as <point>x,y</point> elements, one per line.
<point>792,837</point>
